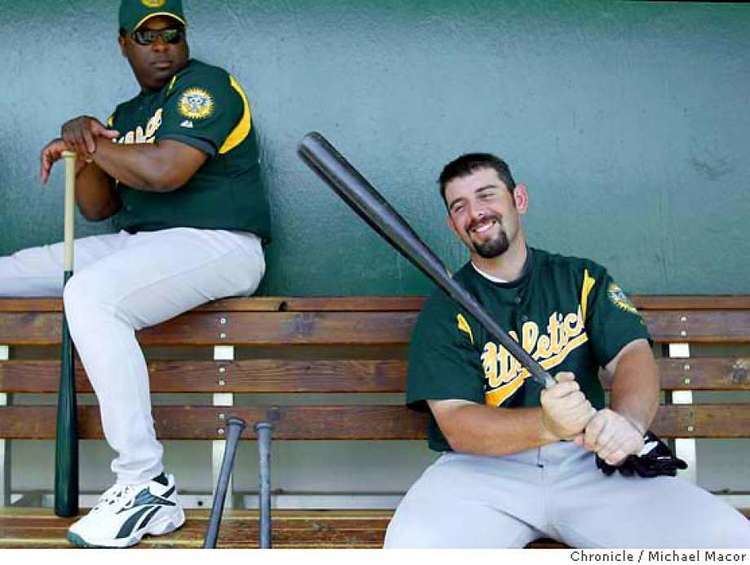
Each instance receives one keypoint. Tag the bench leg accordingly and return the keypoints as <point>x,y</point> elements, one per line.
<point>222,353</point>
<point>263,431</point>
<point>218,447</point>
<point>5,493</point>
<point>685,449</point>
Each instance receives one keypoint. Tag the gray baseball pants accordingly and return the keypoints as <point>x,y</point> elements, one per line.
<point>469,501</point>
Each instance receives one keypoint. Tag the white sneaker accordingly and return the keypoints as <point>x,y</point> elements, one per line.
<point>125,513</point>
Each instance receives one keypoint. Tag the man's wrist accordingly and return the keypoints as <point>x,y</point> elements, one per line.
<point>81,165</point>
<point>639,426</point>
<point>546,434</point>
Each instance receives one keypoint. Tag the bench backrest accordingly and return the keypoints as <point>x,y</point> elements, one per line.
<point>306,346</point>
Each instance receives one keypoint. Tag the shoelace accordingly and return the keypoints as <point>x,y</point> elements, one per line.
<point>114,494</point>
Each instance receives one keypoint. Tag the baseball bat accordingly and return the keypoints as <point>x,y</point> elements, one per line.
<point>66,442</point>
<point>370,205</point>
<point>235,426</point>
<point>263,431</point>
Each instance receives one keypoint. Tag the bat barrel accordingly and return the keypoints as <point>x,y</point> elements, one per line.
<point>368,203</point>
<point>235,426</point>
<point>263,431</point>
<point>66,442</point>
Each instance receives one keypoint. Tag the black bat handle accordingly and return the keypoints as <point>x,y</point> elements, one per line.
<point>235,426</point>
<point>263,431</point>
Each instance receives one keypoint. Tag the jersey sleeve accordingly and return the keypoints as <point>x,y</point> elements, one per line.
<point>443,361</point>
<point>201,110</point>
<point>612,320</point>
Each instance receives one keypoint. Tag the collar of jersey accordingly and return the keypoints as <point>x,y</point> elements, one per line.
<point>520,281</point>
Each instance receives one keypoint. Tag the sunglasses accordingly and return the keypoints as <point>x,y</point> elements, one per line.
<point>171,35</point>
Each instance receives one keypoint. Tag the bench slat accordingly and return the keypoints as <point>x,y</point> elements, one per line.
<point>385,303</point>
<point>203,422</point>
<point>346,328</point>
<point>239,529</point>
<point>692,302</point>
<point>351,422</point>
<point>333,375</point>
<point>699,326</point>
<point>245,376</point>
<point>257,304</point>
<point>39,528</point>
<point>241,328</point>
<point>702,373</point>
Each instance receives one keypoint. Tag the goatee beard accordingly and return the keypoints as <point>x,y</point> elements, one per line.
<point>494,247</point>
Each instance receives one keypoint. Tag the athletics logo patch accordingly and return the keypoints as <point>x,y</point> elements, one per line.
<point>620,299</point>
<point>153,3</point>
<point>196,104</point>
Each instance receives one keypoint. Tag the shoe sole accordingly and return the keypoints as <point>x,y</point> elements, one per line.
<point>166,525</point>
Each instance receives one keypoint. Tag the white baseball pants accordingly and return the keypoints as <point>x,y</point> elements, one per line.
<point>124,282</point>
<point>470,501</point>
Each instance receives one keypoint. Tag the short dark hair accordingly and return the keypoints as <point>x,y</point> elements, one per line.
<point>472,162</point>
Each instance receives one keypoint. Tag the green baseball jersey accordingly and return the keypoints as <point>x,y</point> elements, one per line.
<point>567,313</point>
<point>204,107</point>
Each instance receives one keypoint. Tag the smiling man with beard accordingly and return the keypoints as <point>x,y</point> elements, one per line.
<point>518,462</point>
<point>177,169</point>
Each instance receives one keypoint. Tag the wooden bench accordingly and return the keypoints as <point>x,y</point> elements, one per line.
<point>301,346</point>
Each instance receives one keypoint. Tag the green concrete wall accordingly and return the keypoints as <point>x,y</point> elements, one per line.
<point>627,120</point>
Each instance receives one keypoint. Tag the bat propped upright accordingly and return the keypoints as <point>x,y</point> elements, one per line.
<point>66,440</point>
<point>370,205</point>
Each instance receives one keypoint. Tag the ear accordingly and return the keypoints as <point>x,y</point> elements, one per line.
<point>521,198</point>
<point>121,41</point>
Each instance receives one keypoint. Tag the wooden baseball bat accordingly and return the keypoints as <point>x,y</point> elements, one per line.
<point>66,442</point>
<point>235,427</point>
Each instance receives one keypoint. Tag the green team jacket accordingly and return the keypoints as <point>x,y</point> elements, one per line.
<point>567,313</point>
<point>204,107</point>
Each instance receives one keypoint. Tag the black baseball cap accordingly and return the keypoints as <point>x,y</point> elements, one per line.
<point>134,13</point>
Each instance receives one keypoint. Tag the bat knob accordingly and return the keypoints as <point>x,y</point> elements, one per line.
<point>235,421</point>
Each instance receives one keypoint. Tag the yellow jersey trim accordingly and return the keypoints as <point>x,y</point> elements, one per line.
<point>242,130</point>
<point>171,84</point>
<point>464,326</point>
<point>588,284</point>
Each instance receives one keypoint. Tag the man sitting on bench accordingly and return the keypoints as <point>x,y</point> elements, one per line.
<point>521,463</point>
<point>183,186</point>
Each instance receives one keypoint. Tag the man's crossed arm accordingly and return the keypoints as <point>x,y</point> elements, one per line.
<point>153,167</point>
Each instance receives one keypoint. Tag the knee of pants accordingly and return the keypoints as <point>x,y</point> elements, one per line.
<point>413,535</point>
<point>86,297</point>
<point>422,526</point>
